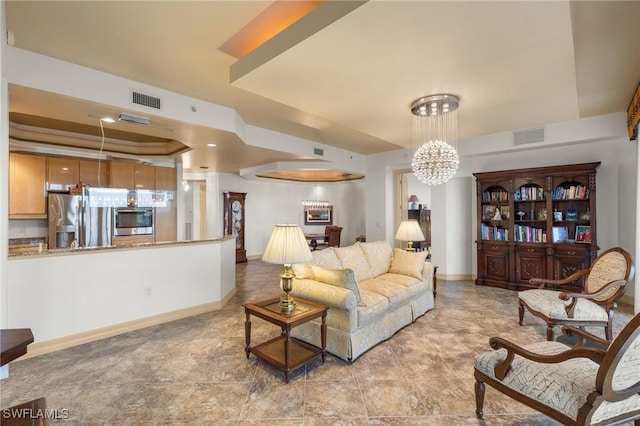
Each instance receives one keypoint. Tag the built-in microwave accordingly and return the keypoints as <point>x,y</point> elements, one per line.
<point>133,221</point>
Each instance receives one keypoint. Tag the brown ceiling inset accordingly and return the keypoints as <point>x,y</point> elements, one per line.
<point>76,135</point>
<point>311,175</point>
<point>270,22</point>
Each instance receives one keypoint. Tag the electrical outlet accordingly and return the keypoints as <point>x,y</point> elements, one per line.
<point>147,291</point>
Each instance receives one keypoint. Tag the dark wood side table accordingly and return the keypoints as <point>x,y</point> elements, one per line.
<point>285,352</point>
<point>13,344</point>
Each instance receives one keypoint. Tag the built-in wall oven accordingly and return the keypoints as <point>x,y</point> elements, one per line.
<point>133,221</point>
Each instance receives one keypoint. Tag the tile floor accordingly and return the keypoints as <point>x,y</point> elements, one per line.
<point>194,371</point>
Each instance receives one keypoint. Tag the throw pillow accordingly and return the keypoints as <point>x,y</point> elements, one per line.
<point>326,258</point>
<point>339,277</point>
<point>378,255</point>
<point>352,257</point>
<point>408,263</point>
<point>302,270</point>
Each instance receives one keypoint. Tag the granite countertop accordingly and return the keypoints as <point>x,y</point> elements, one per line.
<point>67,251</point>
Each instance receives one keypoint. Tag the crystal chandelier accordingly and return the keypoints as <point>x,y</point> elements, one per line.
<point>435,127</point>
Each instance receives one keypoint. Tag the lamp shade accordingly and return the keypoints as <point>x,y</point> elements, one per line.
<point>409,230</point>
<point>413,199</point>
<point>287,245</point>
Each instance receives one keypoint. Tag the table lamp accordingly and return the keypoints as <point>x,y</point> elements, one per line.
<point>287,245</point>
<point>414,202</point>
<point>409,231</point>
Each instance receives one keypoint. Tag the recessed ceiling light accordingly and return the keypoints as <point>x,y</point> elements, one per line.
<point>211,144</point>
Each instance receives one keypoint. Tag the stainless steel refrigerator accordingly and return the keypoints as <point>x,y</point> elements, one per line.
<point>73,223</point>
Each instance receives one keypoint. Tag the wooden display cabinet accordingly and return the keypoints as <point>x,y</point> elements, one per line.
<point>536,223</point>
<point>234,213</point>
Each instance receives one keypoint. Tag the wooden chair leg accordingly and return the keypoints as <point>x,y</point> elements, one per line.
<point>549,332</point>
<point>608,331</point>
<point>521,313</point>
<point>480,398</point>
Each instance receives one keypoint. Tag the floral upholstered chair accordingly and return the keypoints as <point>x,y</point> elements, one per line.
<point>576,386</point>
<point>605,282</point>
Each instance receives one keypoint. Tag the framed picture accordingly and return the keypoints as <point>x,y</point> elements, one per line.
<point>318,215</point>
<point>504,210</point>
<point>560,234</point>
<point>583,234</point>
<point>487,212</point>
<point>557,216</point>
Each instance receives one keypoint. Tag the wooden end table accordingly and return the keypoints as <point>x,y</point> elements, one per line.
<point>285,352</point>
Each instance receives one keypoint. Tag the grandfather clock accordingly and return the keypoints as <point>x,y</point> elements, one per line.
<point>234,221</point>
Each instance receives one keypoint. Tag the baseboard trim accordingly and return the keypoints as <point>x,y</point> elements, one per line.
<point>627,299</point>
<point>453,277</point>
<point>41,348</point>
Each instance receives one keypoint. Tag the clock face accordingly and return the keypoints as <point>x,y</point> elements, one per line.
<point>236,206</point>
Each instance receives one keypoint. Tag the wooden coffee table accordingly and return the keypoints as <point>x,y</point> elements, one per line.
<point>285,352</point>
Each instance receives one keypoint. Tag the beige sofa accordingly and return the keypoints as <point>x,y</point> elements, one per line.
<point>372,291</point>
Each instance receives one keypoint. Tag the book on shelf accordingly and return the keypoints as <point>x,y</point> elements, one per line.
<point>572,192</point>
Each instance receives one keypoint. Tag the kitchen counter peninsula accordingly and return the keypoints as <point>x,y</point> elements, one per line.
<point>73,296</point>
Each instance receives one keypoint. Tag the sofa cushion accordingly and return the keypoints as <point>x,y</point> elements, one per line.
<point>378,255</point>
<point>339,277</point>
<point>397,294</point>
<point>404,280</point>
<point>408,263</point>
<point>352,257</point>
<point>326,258</point>
<point>372,307</point>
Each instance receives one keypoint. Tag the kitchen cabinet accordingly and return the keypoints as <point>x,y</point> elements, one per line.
<point>62,173</point>
<point>65,172</point>
<point>144,176</point>
<point>131,175</point>
<point>27,186</point>
<point>121,175</point>
<point>165,217</point>
<point>93,173</point>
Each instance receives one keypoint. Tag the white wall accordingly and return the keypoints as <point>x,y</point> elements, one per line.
<point>419,189</point>
<point>271,202</point>
<point>62,295</point>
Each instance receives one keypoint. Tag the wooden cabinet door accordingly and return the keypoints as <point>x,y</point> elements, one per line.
<point>121,175</point>
<point>94,173</point>
<point>531,262</point>
<point>144,176</point>
<point>570,259</point>
<point>27,186</point>
<point>165,178</point>
<point>62,173</point>
<point>494,265</point>
<point>166,226</point>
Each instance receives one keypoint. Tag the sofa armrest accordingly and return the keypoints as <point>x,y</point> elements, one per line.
<point>326,294</point>
<point>428,275</point>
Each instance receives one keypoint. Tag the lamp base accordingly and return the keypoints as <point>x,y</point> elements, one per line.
<point>287,304</point>
<point>410,246</point>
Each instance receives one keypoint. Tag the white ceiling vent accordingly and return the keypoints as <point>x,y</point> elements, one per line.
<point>139,98</point>
<point>521,137</point>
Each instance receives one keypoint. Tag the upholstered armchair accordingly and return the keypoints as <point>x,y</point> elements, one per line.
<point>605,283</point>
<point>583,385</point>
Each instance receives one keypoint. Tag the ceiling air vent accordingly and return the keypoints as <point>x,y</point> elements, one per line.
<point>133,119</point>
<point>318,151</point>
<point>138,98</point>
<point>521,137</point>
